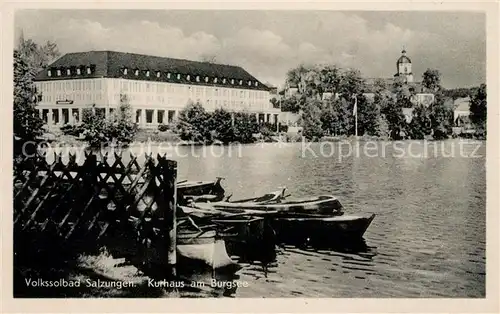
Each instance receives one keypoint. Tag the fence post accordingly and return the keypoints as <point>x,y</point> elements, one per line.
<point>169,174</point>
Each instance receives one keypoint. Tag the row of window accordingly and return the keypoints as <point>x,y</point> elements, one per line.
<point>196,78</point>
<point>74,97</point>
<point>139,87</point>
<point>68,72</point>
<point>73,85</point>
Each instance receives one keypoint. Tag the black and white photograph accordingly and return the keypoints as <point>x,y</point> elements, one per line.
<point>175,153</point>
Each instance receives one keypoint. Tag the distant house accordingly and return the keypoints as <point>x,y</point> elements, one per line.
<point>408,112</point>
<point>461,110</point>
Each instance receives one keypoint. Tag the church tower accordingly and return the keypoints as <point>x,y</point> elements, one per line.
<point>403,66</point>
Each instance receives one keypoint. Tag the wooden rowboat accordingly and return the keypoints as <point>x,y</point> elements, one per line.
<point>316,229</point>
<point>199,187</point>
<point>203,248</point>
<point>200,191</point>
<point>325,204</point>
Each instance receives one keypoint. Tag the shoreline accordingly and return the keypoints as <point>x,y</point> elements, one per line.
<point>82,143</point>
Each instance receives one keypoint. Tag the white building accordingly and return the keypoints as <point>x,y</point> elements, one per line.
<point>157,88</point>
<point>461,112</point>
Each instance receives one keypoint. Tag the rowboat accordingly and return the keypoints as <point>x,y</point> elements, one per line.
<point>272,197</point>
<point>203,248</point>
<point>324,204</point>
<point>319,229</point>
<point>249,237</point>
<point>199,187</point>
<point>200,190</point>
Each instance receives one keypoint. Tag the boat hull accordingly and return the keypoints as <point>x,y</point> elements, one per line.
<point>321,231</point>
<point>205,251</point>
<point>199,187</point>
<point>249,238</point>
<point>322,205</point>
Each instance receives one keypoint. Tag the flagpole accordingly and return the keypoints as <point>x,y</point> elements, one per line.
<point>356,116</point>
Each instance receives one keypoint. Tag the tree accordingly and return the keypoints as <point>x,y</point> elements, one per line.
<point>311,120</point>
<point>275,102</point>
<point>122,127</point>
<point>191,124</point>
<point>297,77</point>
<point>29,59</point>
<point>431,80</point>
<point>455,93</point>
<point>95,127</point>
<point>37,56</point>
<point>245,125</point>
<point>478,109</point>
<point>421,124</point>
<point>27,123</point>
<point>440,118</point>
<point>330,78</point>
<point>351,84</point>
<point>393,113</point>
<point>293,103</point>
<point>367,117</point>
<point>220,123</point>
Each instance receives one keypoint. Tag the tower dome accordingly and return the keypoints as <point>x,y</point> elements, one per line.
<point>403,58</point>
<point>403,66</point>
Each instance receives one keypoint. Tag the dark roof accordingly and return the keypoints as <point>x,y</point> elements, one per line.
<point>404,59</point>
<point>111,64</point>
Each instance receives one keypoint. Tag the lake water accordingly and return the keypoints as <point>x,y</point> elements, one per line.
<point>427,240</point>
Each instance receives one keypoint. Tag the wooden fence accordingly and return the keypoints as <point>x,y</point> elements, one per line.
<point>80,203</point>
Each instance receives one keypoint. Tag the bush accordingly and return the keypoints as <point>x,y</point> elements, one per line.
<point>283,128</point>
<point>163,127</point>
<point>73,130</point>
<point>191,124</point>
<point>195,124</point>
<point>98,131</point>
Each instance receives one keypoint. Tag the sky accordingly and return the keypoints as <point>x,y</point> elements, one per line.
<point>269,43</point>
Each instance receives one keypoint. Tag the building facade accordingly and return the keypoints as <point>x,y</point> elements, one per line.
<point>157,88</point>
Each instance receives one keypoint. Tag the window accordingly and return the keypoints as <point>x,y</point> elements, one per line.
<point>136,72</point>
<point>168,75</point>
<point>256,83</point>
<point>68,72</point>
<point>241,82</point>
<point>49,73</point>
<point>158,74</point>
<point>197,78</point>
<point>178,76</point>
<point>215,80</point>
<point>232,81</point>
<point>147,73</point>
<point>188,77</point>
<point>206,79</point>
<point>224,81</point>
<point>89,71</point>
<point>125,71</point>
<point>249,83</point>
<point>58,72</point>
<point>78,71</point>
